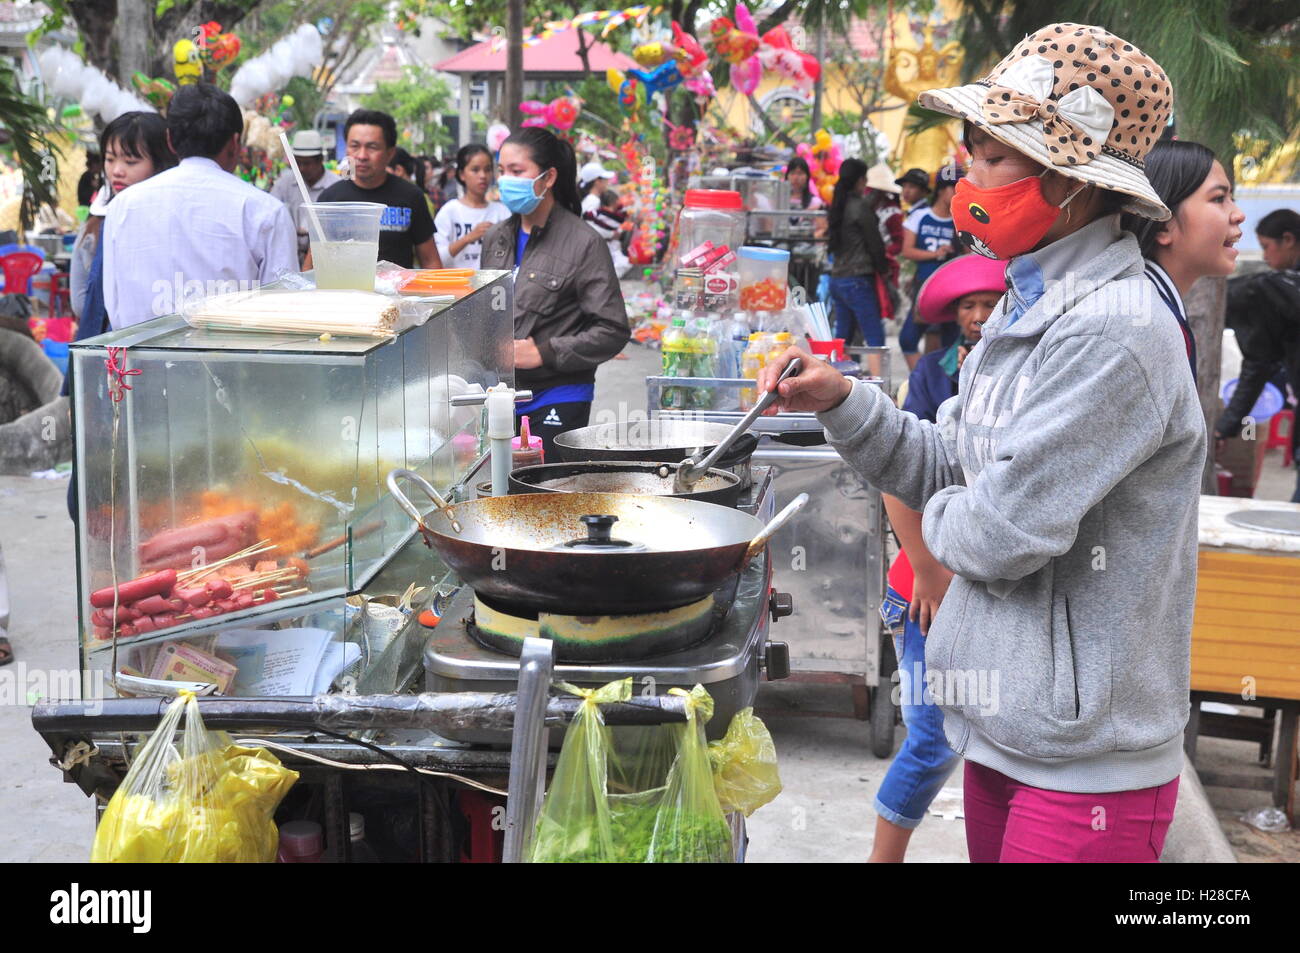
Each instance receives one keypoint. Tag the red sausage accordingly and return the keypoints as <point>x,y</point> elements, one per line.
<point>101,633</point>
<point>142,624</point>
<point>269,595</point>
<point>126,631</point>
<point>154,584</point>
<point>203,612</point>
<point>104,617</point>
<point>223,531</point>
<point>154,605</point>
<point>164,621</point>
<point>198,596</point>
<point>220,588</point>
<point>228,605</point>
<point>244,600</point>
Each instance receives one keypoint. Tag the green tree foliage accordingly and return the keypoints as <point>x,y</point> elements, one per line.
<point>1232,62</point>
<point>415,101</point>
<point>29,129</point>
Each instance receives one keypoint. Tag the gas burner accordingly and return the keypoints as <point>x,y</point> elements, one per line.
<point>610,638</point>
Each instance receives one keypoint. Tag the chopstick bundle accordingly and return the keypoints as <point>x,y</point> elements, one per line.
<point>345,313</point>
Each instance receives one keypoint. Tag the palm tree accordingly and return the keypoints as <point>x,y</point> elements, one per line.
<point>38,158</point>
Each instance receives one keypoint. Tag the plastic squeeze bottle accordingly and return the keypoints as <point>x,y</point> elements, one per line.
<point>525,450</point>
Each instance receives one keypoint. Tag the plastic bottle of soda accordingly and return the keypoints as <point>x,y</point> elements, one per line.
<point>704,358</point>
<point>676,347</point>
<point>751,364</point>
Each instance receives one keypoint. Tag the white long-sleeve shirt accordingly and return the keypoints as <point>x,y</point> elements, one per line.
<point>192,230</point>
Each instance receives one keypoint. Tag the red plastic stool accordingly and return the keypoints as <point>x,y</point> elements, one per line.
<point>1279,434</point>
<point>60,296</point>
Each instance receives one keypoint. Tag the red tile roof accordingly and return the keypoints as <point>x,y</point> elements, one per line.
<point>559,54</point>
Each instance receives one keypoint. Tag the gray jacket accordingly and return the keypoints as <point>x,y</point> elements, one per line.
<point>1061,487</point>
<point>567,297</point>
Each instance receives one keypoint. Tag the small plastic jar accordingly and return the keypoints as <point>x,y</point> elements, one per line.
<point>764,278</point>
<point>715,216</point>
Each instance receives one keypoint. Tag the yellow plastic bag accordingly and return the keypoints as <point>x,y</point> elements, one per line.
<point>745,772</point>
<point>633,795</point>
<point>208,802</point>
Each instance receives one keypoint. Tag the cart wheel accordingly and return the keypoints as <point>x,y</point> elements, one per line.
<point>883,710</point>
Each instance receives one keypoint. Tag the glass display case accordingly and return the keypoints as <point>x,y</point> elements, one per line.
<point>239,483</point>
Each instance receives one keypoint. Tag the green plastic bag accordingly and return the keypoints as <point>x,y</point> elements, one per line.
<point>745,772</point>
<point>633,795</point>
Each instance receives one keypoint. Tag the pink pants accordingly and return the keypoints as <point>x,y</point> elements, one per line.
<point>1009,822</point>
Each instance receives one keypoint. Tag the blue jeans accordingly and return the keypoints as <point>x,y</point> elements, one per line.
<point>854,299</point>
<point>923,764</point>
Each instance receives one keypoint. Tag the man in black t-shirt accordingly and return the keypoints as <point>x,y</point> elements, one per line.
<point>406,230</point>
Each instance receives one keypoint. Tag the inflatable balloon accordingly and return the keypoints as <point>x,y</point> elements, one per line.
<point>661,79</point>
<point>186,62</point>
<point>650,55</point>
<point>732,44</point>
<point>561,112</point>
<point>157,91</point>
<point>631,91</point>
<point>702,86</point>
<point>497,134</point>
<point>691,58</point>
<point>746,76</point>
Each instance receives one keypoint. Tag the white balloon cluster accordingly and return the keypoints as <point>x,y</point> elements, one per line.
<point>295,55</point>
<point>66,76</point>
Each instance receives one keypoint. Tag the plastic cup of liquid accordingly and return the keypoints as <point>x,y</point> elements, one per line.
<point>345,255</point>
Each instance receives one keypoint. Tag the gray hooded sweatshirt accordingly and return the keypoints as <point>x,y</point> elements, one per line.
<point>1060,486</point>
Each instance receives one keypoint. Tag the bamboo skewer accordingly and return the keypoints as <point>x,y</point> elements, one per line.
<point>198,573</point>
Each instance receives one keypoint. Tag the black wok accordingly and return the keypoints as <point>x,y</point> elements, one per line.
<point>668,440</point>
<point>624,476</point>
<point>512,549</point>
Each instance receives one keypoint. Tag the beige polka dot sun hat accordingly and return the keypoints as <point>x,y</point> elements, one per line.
<point>1079,100</point>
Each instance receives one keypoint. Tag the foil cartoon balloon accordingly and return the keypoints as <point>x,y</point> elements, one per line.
<point>157,91</point>
<point>661,79</point>
<point>561,112</point>
<point>186,62</point>
<point>691,58</point>
<point>497,134</point>
<point>631,91</point>
<point>740,47</point>
<point>650,55</point>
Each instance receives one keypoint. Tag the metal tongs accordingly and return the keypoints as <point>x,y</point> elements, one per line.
<point>690,470</point>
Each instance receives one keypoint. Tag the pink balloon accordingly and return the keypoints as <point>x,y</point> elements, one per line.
<point>746,76</point>
<point>533,121</point>
<point>532,107</point>
<point>744,21</point>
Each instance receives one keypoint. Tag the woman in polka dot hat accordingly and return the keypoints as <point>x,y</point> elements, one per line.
<point>1060,486</point>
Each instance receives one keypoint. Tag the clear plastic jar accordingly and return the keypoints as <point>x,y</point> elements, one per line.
<point>716,216</point>
<point>764,278</point>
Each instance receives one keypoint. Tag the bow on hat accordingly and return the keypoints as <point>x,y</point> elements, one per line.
<point>1022,93</point>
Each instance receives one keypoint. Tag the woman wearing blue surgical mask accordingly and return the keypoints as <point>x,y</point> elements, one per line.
<point>569,312</point>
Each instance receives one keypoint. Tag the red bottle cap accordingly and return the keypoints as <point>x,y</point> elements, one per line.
<point>714,198</point>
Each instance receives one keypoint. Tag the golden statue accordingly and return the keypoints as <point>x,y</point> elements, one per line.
<point>910,72</point>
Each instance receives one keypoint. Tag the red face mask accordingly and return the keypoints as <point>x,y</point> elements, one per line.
<point>1005,221</point>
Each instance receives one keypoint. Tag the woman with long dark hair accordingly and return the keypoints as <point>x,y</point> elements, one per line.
<point>799,176</point>
<point>569,312</point>
<point>855,241</point>
<point>1279,239</point>
<point>460,225</point>
<point>1197,240</point>
<point>135,148</point>
<point>1261,308</point>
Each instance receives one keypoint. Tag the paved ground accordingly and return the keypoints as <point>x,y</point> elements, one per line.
<point>830,775</point>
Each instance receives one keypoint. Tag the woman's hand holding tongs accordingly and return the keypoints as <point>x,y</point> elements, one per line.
<point>818,387</point>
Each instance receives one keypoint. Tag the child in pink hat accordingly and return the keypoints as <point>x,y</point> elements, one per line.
<point>965,290</point>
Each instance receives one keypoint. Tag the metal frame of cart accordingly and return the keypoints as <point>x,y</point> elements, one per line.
<point>841,637</point>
